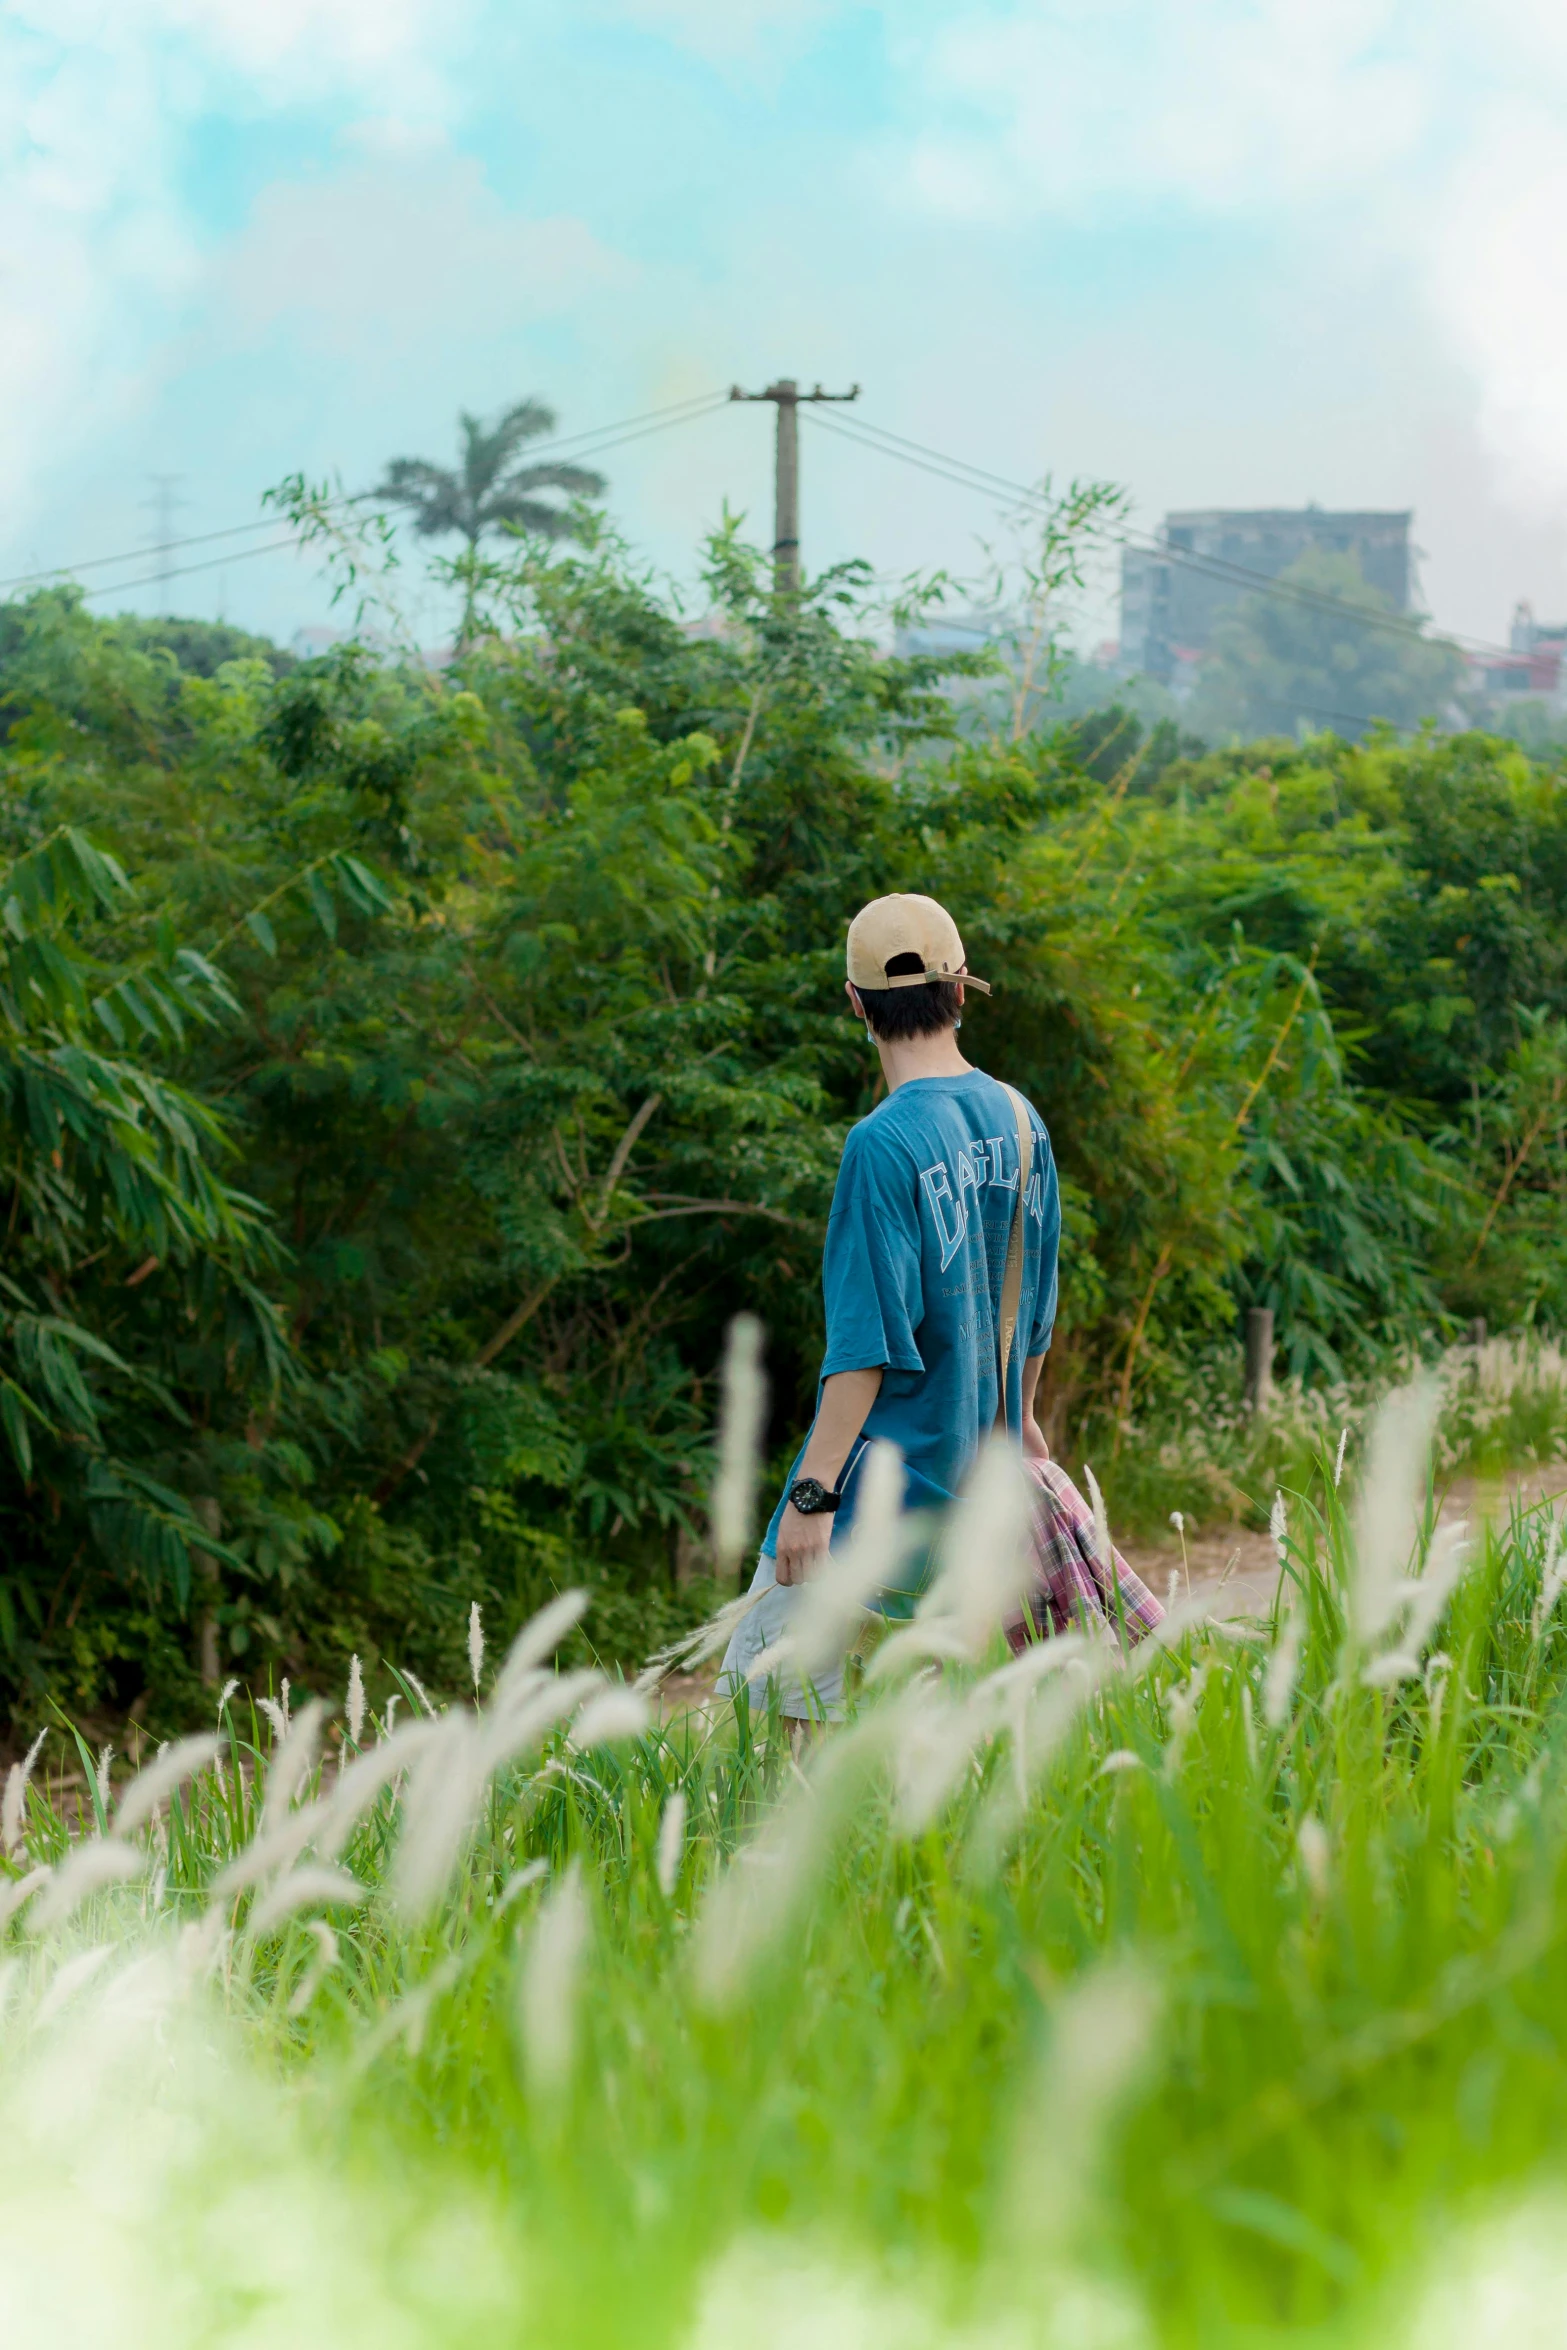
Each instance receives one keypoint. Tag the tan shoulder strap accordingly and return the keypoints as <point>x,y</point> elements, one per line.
<point>1012,1279</point>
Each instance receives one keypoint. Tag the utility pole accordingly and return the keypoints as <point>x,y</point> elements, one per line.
<point>165,501</point>
<point>786,396</point>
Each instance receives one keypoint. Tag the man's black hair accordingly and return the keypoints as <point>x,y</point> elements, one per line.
<point>899,1012</point>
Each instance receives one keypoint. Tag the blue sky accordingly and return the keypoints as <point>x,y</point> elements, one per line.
<point>1219,252</point>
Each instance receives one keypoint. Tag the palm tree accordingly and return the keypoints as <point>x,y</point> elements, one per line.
<point>491,486</point>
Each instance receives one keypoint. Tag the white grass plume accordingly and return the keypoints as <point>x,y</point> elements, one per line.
<point>356,1699</point>
<point>614,1713</point>
<point>1181,1705</point>
<point>1283,1666</point>
<point>475,1645</point>
<point>1553,1575</point>
<point>1338,1464</point>
<point>292,1762</point>
<point>224,1694</point>
<point>1103,1550</point>
<point>550,1991</point>
<point>319,1968</point>
<point>277,1849</point>
<point>1033,1700</point>
<point>158,1781</point>
<point>101,1861</point>
<point>13,1807</point>
<point>357,1786</point>
<point>1101,2039</point>
<point>671,1844</point>
<point>1316,1856</point>
<point>708,1640</point>
<point>1422,1601</point>
<point>101,1776</point>
<point>447,1783</point>
<point>318,1887</point>
<point>20,1890</point>
<point>1391,1497</point>
<point>74,1976</point>
<point>419,1690</point>
<point>751,1906</point>
<point>444,1790</point>
<point>275,1715</point>
<point>742,1410</point>
<point>1279,1524</point>
<point>518,1882</point>
<point>832,1602</point>
<point>539,1638</point>
<point>329,1821</point>
<point>982,1573</point>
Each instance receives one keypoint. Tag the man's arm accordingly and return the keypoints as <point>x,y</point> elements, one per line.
<point>846,1401</point>
<point>1034,1446</point>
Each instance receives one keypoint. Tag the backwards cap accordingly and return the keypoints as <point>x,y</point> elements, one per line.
<point>906,924</point>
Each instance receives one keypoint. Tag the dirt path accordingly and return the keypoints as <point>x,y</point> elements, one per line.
<point>1242,1564</point>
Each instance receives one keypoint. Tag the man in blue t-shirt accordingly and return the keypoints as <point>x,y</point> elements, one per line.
<point>913,1273</point>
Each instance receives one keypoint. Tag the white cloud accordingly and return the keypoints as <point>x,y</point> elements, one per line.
<point>96,251</point>
<point>379,254</point>
<point>1499,285</point>
<point>1221,103</point>
<point>728,33</point>
<point>1423,139</point>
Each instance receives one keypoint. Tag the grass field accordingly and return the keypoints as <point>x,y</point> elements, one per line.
<point>1215,1994</point>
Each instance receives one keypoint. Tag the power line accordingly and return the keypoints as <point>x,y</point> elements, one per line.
<point>966,476</point>
<point>652,419</point>
<point>120,587</point>
<point>959,471</point>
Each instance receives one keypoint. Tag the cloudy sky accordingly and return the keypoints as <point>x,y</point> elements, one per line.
<point>1222,251</point>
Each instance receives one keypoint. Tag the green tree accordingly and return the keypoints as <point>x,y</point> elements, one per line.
<point>493,485</point>
<point>526,1060</point>
<point>1279,663</point>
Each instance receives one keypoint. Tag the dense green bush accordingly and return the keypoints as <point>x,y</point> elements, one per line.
<point>501,1009</point>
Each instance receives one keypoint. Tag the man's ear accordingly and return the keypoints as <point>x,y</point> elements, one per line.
<point>853,994</point>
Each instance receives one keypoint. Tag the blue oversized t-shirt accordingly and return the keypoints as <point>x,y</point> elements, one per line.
<point>912,1271</point>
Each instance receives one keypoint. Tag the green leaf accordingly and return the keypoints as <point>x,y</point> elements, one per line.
<point>13,1411</point>
<point>321,900</point>
<point>360,886</point>
<point>104,1007</point>
<point>261,931</point>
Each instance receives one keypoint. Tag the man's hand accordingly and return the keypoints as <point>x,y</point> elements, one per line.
<point>803,1543</point>
<point>846,1398</point>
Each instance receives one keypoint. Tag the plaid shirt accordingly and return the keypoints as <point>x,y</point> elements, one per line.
<point>1071,1586</point>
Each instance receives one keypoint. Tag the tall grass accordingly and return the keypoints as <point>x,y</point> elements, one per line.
<point>1503,1407</point>
<point>1211,1994</point>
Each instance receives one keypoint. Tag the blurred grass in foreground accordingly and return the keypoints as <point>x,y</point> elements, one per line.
<point>1217,1994</point>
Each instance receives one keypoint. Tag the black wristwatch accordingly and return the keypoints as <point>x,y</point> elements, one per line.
<point>810,1497</point>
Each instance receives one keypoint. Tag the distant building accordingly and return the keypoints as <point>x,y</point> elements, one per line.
<point>937,632</point>
<point>1172,594</point>
<point>1533,666</point>
<point>311,641</point>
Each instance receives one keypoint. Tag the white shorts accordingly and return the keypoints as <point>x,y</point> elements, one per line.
<point>768,1622</point>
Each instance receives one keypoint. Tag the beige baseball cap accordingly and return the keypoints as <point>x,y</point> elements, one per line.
<point>906,924</point>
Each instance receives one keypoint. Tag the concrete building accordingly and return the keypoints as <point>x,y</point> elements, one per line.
<point>1533,666</point>
<point>1207,558</point>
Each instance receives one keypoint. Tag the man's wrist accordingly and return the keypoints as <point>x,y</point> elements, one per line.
<point>813,1497</point>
